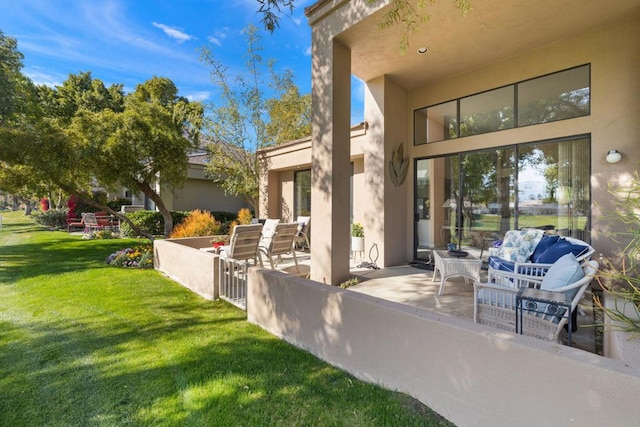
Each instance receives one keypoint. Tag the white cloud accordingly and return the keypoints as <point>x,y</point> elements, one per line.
<point>198,96</point>
<point>41,77</point>
<point>174,33</point>
<point>214,40</point>
<point>307,52</point>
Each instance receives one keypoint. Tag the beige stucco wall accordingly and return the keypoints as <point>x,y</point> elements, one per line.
<point>614,55</point>
<point>468,374</point>
<point>183,261</point>
<point>198,192</point>
<point>277,183</point>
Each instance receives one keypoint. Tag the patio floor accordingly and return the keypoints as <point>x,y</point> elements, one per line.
<point>415,287</point>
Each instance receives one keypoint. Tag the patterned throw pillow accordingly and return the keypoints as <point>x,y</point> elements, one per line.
<point>518,245</point>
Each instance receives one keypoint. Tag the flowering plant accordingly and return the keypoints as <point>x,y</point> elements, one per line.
<point>137,257</point>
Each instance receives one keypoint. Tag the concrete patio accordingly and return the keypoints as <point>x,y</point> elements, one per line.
<point>415,287</point>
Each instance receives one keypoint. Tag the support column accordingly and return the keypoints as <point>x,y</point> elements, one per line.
<point>330,156</point>
<point>386,214</point>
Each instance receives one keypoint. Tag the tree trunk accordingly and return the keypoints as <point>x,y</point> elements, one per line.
<point>27,207</point>
<point>162,208</point>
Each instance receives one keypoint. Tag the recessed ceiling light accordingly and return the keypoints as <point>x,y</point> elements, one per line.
<point>422,50</point>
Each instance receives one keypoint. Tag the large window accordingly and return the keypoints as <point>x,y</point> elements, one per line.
<point>476,197</point>
<point>302,193</point>
<point>487,112</point>
<point>558,96</point>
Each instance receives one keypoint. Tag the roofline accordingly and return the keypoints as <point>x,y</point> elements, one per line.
<point>360,126</point>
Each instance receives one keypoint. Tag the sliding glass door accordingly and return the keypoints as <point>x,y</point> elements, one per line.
<point>473,198</point>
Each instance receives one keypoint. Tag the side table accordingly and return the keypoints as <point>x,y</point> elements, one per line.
<point>449,266</point>
<point>541,302</point>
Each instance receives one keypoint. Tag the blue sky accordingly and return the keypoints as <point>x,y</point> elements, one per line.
<point>130,41</point>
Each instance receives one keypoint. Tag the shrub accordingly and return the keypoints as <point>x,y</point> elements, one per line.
<point>352,281</point>
<point>117,203</point>
<point>244,216</point>
<point>51,218</point>
<point>103,235</point>
<point>150,222</point>
<point>198,223</point>
<point>78,207</point>
<point>622,281</point>
<point>138,257</point>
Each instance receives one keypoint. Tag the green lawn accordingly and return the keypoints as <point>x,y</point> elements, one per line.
<point>82,343</point>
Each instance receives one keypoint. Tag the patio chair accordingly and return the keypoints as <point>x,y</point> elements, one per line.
<point>547,302</point>
<point>280,243</point>
<point>75,223</point>
<point>302,235</point>
<point>103,219</point>
<point>234,262</point>
<point>90,222</point>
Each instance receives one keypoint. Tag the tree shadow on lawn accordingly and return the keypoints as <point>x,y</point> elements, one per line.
<point>207,365</point>
<point>56,254</point>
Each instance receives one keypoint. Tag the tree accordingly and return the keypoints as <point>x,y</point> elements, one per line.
<point>245,120</point>
<point>10,76</point>
<point>148,141</point>
<point>271,10</point>
<point>289,115</point>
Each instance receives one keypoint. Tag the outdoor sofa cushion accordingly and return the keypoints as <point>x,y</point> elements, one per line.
<point>563,272</point>
<point>545,243</point>
<point>518,245</point>
<point>549,250</point>
<point>557,250</point>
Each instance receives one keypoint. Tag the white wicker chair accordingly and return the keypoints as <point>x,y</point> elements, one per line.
<point>495,303</point>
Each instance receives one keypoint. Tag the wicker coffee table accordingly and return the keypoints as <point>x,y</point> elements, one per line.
<point>450,266</point>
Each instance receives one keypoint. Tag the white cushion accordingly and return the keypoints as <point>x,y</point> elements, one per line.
<point>563,272</point>
<point>518,245</point>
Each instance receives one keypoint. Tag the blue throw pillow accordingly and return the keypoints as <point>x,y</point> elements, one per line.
<point>562,247</point>
<point>545,243</point>
<point>501,264</point>
<point>563,272</point>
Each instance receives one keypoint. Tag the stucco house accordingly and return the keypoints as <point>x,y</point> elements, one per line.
<point>506,115</point>
<point>197,191</point>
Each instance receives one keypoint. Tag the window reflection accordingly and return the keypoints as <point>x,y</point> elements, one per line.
<point>477,197</point>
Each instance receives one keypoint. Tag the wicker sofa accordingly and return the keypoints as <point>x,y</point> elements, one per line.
<point>564,281</point>
<point>532,251</point>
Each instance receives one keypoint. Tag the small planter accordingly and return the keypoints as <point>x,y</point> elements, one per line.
<point>357,244</point>
<point>220,240</point>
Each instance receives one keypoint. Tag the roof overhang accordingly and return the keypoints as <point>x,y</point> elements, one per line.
<point>491,32</point>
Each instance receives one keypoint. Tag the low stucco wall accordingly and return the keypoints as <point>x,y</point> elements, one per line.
<point>618,344</point>
<point>466,373</point>
<point>183,261</point>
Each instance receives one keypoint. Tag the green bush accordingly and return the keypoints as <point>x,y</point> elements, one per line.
<point>150,222</point>
<point>117,203</point>
<point>51,218</point>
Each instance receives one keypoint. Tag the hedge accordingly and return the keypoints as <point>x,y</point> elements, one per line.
<point>153,223</point>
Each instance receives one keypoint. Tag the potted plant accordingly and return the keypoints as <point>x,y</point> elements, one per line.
<point>218,241</point>
<point>357,237</point>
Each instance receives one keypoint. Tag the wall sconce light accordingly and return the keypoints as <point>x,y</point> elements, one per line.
<point>613,156</point>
